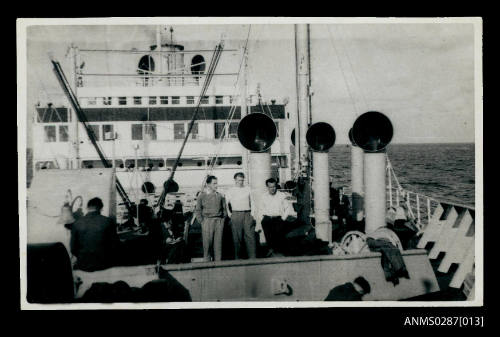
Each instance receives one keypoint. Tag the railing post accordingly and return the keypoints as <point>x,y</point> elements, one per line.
<point>428,210</point>
<point>389,179</point>
<point>418,208</point>
<point>408,204</point>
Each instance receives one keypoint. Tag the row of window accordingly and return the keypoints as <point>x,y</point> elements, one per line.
<point>155,164</point>
<point>151,100</point>
<point>144,131</point>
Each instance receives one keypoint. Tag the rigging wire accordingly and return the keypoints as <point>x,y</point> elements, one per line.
<point>342,71</point>
<point>83,119</point>
<point>232,110</point>
<point>208,78</point>
<point>346,51</point>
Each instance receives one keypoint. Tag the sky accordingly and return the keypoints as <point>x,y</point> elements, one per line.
<point>421,75</point>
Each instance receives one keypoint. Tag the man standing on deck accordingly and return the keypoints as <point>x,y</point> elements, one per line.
<point>242,222</point>
<point>211,211</point>
<point>94,241</point>
<point>274,210</point>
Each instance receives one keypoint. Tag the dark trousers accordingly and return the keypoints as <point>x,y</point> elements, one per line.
<point>275,231</point>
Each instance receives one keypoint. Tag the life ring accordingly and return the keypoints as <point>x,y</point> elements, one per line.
<point>353,242</point>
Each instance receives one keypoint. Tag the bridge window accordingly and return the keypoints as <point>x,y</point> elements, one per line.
<point>152,100</point>
<point>106,100</point>
<point>150,131</point>
<point>204,100</point>
<point>190,100</point>
<point>197,65</point>
<point>219,99</point>
<point>63,133</point>
<point>146,65</point>
<point>163,99</point>
<point>130,163</point>
<point>150,164</point>
<point>194,131</point>
<point>95,130</point>
<point>119,163</point>
<point>50,133</point>
<point>91,101</point>
<point>176,100</point>
<point>219,130</point>
<point>136,131</point>
<point>95,164</point>
<point>43,165</point>
<point>107,132</point>
<point>233,130</point>
<point>179,132</point>
<point>137,100</point>
<point>122,100</point>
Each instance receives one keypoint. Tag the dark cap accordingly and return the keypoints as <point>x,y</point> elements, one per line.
<point>363,283</point>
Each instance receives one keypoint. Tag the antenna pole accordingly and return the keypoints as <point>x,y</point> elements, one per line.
<point>159,47</point>
<point>302,150</point>
<point>244,109</point>
<point>301,40</point>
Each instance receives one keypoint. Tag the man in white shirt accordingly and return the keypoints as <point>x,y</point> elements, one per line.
<point>274,211</point>
<point>239,207</point>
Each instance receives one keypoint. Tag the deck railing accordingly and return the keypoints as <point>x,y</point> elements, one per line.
<point>420,207</point>
<point>130,80</point>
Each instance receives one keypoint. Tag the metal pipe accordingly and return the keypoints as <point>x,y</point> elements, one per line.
<point>357,183</point>
<point>321,137</point>
<point>243,98</point>
<point>375,189</point>
<point>259,171</point>
<point>301,40</point>
<point>321,196</point>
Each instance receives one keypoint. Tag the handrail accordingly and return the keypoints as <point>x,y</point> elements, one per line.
<point>421,212</point>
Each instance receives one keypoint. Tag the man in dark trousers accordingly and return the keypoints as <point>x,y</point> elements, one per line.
<point>94,241</point>
<point>274,211</point>
<point>350,291</point>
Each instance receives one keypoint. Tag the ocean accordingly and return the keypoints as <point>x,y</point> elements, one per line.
<point>445,172</point>
<point>442,171</point>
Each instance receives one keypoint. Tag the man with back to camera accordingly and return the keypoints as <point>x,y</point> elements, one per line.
<point>274,210</point>
<point>350,291</point>
<point>210,211</point>
<point>239,205</point>
<point>94,241</point>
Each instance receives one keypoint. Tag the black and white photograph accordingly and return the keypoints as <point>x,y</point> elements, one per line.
<point>250,162</point>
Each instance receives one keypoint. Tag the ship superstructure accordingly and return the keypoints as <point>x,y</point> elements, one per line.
<point>139,103</point>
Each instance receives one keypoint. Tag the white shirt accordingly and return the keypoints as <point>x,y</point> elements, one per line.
<point>274,205</point>
<point>239,198</point>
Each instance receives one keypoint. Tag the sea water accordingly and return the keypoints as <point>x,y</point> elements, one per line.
<point>445,172</point>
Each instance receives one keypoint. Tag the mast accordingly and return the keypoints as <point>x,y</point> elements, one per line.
<point>301,148</point>
<point>302,45</point>
<point>243,102</point>
<point>159,47</point>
